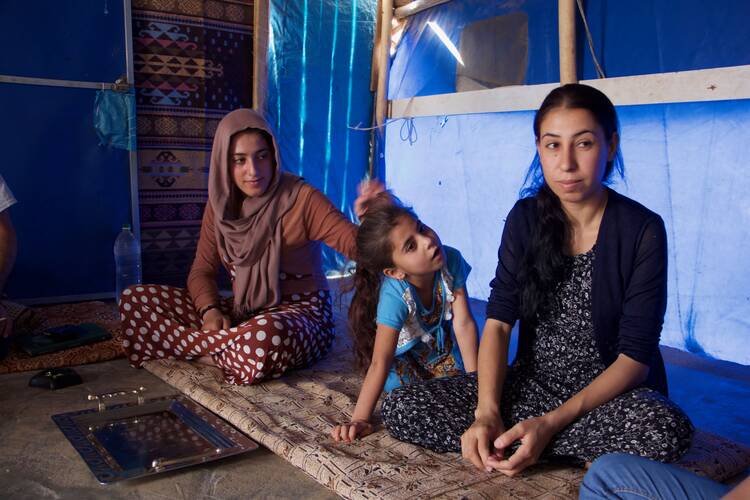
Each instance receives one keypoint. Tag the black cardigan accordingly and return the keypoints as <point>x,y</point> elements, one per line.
<point>628,289</point>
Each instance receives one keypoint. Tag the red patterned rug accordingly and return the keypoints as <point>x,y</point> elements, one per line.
<point>102,313</point>
<point>193,64</point>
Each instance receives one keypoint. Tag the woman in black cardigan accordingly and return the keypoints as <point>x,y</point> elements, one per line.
<point>584,269</point>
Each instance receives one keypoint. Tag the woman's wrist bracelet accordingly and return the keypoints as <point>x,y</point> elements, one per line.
<point>203,311</point>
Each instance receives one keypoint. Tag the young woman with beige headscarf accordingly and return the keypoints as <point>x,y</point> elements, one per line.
<point>264,226</point>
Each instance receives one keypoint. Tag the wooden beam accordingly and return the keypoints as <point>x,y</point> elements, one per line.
<point>411,8</point>
<point>381,103</point>
<point>511,98</point>
<point>716,84</point>
<point>374,68</point>
<point>77,84</point>
<point>260,55</point>
<point>566,10</point>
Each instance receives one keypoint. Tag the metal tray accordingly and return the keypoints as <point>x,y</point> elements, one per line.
<point>128,441</point>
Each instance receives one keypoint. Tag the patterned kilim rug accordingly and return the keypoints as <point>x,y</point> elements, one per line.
<point>193,64</point>
<point>102,313</point>
<point>292,416</point>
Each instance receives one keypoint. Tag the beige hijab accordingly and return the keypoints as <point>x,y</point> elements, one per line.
<point>248,229</point>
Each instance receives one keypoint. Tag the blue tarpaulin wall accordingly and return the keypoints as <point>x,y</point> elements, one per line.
<point>319,79</point>
<point>73,194</point>
<point>684,161</point>
<point>630,38</point>
<point>422,65</point>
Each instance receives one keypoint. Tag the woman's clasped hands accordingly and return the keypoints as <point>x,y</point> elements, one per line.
<point>484,444</point>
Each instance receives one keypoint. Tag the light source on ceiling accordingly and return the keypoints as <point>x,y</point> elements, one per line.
<point>446,41</point>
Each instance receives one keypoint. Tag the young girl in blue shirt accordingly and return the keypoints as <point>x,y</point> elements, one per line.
<point>409,317</point>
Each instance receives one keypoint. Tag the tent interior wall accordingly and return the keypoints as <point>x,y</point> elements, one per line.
<point>75,194</point>
<point>434,97</point>
<point>682,160</point>
<point>91,190</point>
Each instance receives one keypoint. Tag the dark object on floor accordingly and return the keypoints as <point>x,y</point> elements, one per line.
<point>56,378</point>
<point>62,337</point>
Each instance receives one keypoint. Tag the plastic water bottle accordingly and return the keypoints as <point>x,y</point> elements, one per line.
<point>127,261</point>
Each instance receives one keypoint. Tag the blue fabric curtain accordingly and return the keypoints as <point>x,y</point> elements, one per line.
<point>320,54</point>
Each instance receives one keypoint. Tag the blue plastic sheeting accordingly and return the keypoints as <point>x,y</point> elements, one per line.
<point>684,161</point>
<point>82,40</point>
<point>640,37</point>
<point>423,65</point>
<point>630,38</point>
<point>73,195</point>
<point>319,86</point>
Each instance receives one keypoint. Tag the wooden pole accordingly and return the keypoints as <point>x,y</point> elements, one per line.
<point>406,9</point>
<point>260,55</point>
<point>381,103</point>
<point>375,50</point>
<point>567,32</point>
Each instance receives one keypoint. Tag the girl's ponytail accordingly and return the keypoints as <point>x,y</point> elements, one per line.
<point>362,312</point>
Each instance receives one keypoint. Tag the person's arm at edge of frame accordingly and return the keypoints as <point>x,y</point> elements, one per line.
<point>8,247</point>
<point>739,492</point>
<point>465,329</point>
<point>372,386</point>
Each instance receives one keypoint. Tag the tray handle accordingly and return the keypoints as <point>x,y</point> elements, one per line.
<point>101,399</point>
<point>159,464</point>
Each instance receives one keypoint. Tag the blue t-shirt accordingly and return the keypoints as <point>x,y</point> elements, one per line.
<point>400,308</point>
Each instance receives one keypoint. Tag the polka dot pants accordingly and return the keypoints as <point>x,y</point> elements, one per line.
<point>160,322</point>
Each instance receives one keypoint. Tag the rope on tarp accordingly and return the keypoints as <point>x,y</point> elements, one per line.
<point>599,70</point>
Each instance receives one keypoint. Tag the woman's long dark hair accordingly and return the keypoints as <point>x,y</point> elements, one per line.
<point>543,264</point>
<point>374,254</point>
